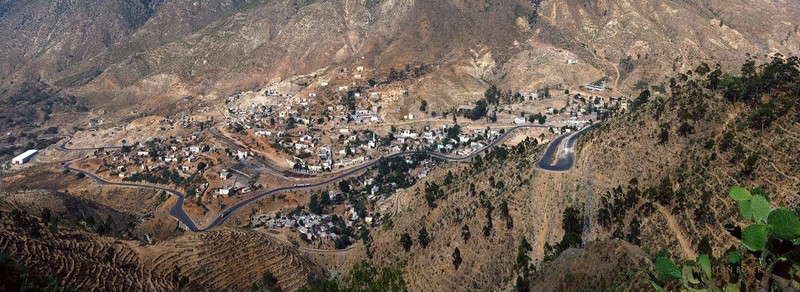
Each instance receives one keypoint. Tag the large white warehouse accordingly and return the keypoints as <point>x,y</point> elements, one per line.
<point>24,157</point>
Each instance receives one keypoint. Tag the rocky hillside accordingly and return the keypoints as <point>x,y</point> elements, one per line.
<point>648,40</point>
<point>150,48</point>
<point>125,52</point>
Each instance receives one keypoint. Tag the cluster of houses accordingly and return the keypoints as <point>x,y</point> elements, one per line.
<point>310,227</point>
<point>321,227</point>
<point>619,103</point>
<point>180,155</point>
<point>324,228</point>
<point>157,153</point>
<point>360,146</point>
<point>588,107</point>
<point>316,136</point>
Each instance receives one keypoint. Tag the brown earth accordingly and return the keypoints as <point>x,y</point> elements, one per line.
<point>106,263</point>
<point>132,59</point>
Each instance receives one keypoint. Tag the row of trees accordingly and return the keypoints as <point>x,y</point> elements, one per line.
<point>423,239</point>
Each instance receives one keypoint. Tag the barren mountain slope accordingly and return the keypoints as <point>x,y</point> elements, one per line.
<point>66,41</point>
<point>179,48</point>
<point>651,39</point>
<point>613,265</point>
<point>158,52</point>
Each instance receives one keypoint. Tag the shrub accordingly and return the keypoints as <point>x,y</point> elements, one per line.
<point>771,234</point>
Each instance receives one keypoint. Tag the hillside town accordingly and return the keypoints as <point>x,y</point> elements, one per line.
<point>328,126</point>
<point>324,126</point>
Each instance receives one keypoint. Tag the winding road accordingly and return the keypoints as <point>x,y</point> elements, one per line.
<point>564,163</point>
<point>567,159</point>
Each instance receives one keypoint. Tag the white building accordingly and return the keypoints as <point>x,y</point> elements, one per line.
<point>224,175</point>
<point>519,120</point>
<point>24,157</point>
<point>595,87</point>
<point>531,95</point>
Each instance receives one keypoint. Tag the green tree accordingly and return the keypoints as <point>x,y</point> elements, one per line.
<point>183,281</point>
<point>314,205</point>
<point>363,277</point>
<point>491,95</point>
<point>465,232</point>
<point>90,220</point>
<point>449,178</point>
<point>453,132</point>
<point>523,266</point>
<point>325,199</point>
<point>663,137</point>
<point>54,225</point>
<point>423,237</point>
<point>46,215</point>
<point>523,260</point>
<point>344,186</point>
<point>504,213</point>
<point>432,193</point>
<point>456,258</point>
<point>270,282</point>
<point>643,98</point>
<point>405,241</point>
<point>704,247</point>
<point>479,111</point>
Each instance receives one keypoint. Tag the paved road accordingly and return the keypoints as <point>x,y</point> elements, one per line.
<point>63,146</point>
<point>565,161</point>
<point>178,212</point>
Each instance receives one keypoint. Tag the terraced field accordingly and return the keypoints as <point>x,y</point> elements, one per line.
<point>80,260</point>
<point>223,259</point>
<point>230,259</point>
